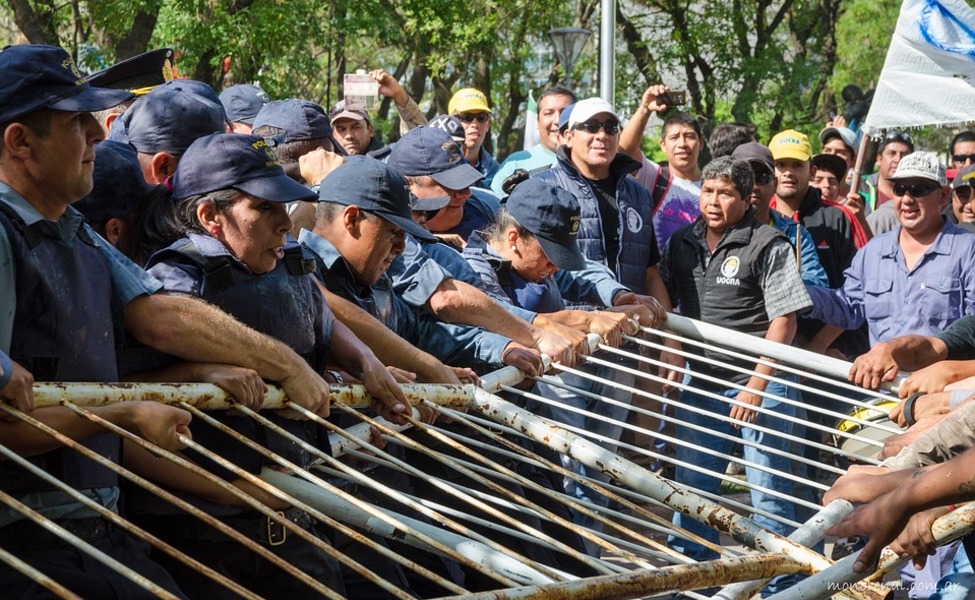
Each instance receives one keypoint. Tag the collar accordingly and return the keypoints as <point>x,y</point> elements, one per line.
<point>323,249</point>
<point>66,227</point>
<point>943,243</point>
<point>621,166</point>
<point>739,233</point>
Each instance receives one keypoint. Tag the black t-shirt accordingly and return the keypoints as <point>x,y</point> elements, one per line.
<point>609,212</point>
<point>959,337</point>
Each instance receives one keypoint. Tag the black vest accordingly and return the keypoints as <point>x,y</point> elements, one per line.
<point>63,330</point>
<point>723,288</point>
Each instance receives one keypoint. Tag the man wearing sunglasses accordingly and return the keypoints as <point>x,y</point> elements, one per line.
<point>962,210</point>
<point>877,188</point>
<point>471,107</point>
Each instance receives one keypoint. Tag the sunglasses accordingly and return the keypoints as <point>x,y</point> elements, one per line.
<point>916,190</point>
<point>899,136</point>
<point>480,117</point>
<point>963,194</point>
<point>762,177</point>
<point>610,127</point>
<point>963,158</point>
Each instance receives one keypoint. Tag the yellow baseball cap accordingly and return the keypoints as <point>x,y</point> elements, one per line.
<point>468,100</point>
<point>790,144</point>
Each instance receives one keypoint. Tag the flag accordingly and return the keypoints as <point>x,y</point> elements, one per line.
<point>929,75</point>
<point>531,123</point>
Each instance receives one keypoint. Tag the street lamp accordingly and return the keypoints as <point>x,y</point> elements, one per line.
<point>568,43</point>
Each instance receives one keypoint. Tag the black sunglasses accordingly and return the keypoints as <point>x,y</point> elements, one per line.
<point>481,117</point>
<point>762,177</point>
<point>963,158</point>
<point>916,190</point>
<point>963,193</point>
<point>610,127</point>
<point>899,136</point>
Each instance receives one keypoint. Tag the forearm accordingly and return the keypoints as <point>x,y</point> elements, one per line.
<point>954,435</point>
<point>459,302</point>
<point>196,331</point>
<point>632,133</point>
<point>824,338</point>
<point>947,483</point>
<point>26,440</point>
<point>388,347</point>
<point>912,352</point>
<point>348,351</point>
<point>781,330</point>
<point>576,319</point>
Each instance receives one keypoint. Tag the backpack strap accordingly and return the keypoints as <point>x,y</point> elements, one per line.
<point>660,187</point>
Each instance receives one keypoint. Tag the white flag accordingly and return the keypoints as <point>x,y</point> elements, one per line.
<point>531,123</point>
<point>929,75</point>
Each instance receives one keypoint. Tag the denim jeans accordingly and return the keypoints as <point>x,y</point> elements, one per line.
<point>612,431</point>
<point>752,454</point>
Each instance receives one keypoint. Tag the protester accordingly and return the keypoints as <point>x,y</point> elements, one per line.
<point>728,136</point>
<point>876,189</point>
<point>962,211</point>
<point>674,188</point>
<point>830,171</point>
<point>354,130</point>
<point>730,270</point>
<point>962,149</point>
<point>472,108</point>
<point>541,156</point>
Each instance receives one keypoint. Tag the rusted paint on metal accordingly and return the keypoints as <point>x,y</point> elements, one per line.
<point>637,584</point>
<point>206,396</point>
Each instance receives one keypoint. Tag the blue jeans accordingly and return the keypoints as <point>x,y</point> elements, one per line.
<point>717,464</point>
<point>960,580</point>
<point>612,431</point>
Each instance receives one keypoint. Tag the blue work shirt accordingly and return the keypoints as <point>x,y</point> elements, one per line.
<point>536,157</point>
<point>487,165</point>
<point>895,301</point>
<point>457,345</point>
<point>491,267</point>
<point>811,271</point>
<point>128,279</point>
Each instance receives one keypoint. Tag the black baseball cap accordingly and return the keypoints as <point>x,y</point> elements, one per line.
<point>300,119</point>
<point>432,152</point>
<point>832,163</point>
<point>119,187</point>
<point>755,153</point>
<point>232,160</point>
<point>140,74</point>
<point>551,214</point>
<point>243,101</point>
<point>375,188</point>
<point>173,116</point>
<point>34,76</point>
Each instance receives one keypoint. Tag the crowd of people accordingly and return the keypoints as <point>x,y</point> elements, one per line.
<point>239,240</point>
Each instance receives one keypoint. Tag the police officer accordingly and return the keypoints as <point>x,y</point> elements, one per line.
<point>64,294</point>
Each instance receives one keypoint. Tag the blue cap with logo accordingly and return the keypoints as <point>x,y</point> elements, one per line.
<point>173,116</point>
<point>33,77</point>
<point>300,119</point>
<point>243,101</point>
<point>551,214</point>
<point>431,151</point>
<point>119,185</point>
<point>375,188</point>
<point>232,160</point>
<point>452,125</point>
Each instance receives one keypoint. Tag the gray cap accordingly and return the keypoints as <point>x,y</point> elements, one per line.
<point>922,165</point>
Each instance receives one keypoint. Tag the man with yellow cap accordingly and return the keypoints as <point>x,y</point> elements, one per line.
<point>471,107</point>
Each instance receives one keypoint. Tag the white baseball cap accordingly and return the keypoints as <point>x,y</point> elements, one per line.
<point>588,108</point>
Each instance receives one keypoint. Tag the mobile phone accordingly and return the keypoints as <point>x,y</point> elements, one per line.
<point>673,98</point>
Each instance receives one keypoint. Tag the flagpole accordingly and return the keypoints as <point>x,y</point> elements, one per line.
<point>858,167</point>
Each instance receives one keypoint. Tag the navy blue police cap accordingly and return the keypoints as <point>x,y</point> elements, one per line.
<point>551,214</point>
<point>33,77</point>
<point>242,162</point>
<point>431,151</point>
<point>173,116</point>
<point>375,188</point>
<point>243,101</point>
<point>119,186</point>
<point>452,125</point>
<point>300,119</point>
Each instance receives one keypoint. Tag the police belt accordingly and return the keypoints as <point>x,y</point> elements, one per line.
<point>253,525</point>
<point>28,534</point>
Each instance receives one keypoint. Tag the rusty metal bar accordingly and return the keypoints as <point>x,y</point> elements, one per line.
<point>52,527</point>
<point>524,452</point>
<point>807,535</point>
<point>640,583</point>
<point>838,577</point>
<point>34,575</point>
<point>399,497</point>
<point>324,500</point>
<point>677,497</point>
<point>207,396</point>
<point>317,514</point>
<point>502,491</point>
<point>155,489</point>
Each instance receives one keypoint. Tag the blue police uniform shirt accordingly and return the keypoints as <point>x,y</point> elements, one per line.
<point>894,301</point>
